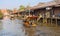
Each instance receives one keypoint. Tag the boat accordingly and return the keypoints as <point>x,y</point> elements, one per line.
<point>28,22</point>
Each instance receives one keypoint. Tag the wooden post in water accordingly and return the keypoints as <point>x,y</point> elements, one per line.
<point>56,22</point>
<point>51,21</point>
<point>18,15</point>
<point>43,19</point>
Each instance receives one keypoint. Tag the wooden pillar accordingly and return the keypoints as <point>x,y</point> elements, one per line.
<point>51,21</point>
<point>46,20</point>
<point>56,22</point>
<point>17,14</point>
<point>43,19</point>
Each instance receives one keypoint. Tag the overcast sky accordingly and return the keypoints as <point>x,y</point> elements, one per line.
<point>10,4</point>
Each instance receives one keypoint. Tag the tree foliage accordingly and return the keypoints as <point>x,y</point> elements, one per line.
<point>22,7</point>
<point>1,15</point>
<point>28,8</point>
<point>9,10</point>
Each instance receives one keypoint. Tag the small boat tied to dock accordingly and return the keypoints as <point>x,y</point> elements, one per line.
<point>30,21</point>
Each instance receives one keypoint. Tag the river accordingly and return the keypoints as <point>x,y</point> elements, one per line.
<point>11,27</point>
<point>15,28</point>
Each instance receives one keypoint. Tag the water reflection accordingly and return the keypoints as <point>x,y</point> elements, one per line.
<point>0,24</point>
<point>12,28</point>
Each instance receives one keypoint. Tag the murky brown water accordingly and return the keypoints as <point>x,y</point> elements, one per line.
<point>15,28</point>
<point>43,31</point>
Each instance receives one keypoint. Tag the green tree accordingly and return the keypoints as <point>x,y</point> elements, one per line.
<point>1,15</point>
<point>22,7</point>
<point>28,8</point>
<point>9,10</point>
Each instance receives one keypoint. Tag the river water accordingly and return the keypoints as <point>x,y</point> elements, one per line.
<point>15,28</point>
<point>11,27</point>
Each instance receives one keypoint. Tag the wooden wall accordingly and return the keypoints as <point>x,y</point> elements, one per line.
<point>39,11</point>
<point>57,10</point>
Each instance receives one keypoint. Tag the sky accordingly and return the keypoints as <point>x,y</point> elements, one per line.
<point>10,4</point>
